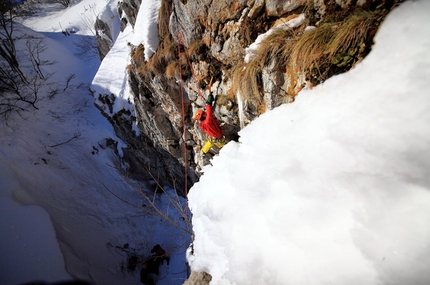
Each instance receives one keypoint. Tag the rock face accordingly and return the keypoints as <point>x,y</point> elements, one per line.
<point>141,159</point>
<point>103,37</point>
<point>128,10</point>
<point>213,36</point>
<point>206,46</point>
<point>198,278</point>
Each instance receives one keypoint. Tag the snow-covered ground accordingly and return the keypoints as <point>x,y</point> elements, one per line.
<point>334,188</point>
<point>56,159</point>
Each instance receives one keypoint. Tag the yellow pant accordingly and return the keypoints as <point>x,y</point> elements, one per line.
<point>211,142</point>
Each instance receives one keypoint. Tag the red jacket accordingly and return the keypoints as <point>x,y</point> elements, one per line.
<point>210,124</point>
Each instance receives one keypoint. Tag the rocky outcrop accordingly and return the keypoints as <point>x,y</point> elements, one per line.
<point>198,278</point>
<point>128,10</point>
<point>103,37</point>
<point>214,37</point>
<point>141,159</point>
<point>224,29</point>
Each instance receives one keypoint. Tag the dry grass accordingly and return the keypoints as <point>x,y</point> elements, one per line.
<point>165,61</point>
<point>197,50</point>
<point>247,77</point>
<point>138,55</point>
<point>163,18</point>
<point>138,58</point>
<point>316,48</point>
<point>172,70</point>
<point>352,32</point>
<point>274,47</point>
<point>165,54</point>
<point>311,46</point>
<point>247,80</point>
<point>166,51</point>
<point>310,52</point>
<point>225,100</point>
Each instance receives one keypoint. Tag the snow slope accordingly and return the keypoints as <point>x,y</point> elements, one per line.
<point>27,238</point>
<point>334,188</point>
<point>59,159</point>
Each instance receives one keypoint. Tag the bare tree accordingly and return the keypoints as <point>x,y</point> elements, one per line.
<point>18,89</point>
<point>7,44</point>
<point>176,203</point>
<point>35,47</point>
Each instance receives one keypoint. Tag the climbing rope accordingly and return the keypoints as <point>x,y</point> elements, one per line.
<point>182,42</point>
<point>181,90</point>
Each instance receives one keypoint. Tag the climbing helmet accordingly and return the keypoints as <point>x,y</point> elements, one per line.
<point>198,115</point>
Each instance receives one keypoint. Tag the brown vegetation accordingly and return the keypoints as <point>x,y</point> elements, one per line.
<point>331,48</point>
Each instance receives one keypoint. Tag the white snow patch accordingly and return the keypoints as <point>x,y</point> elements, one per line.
<point>146,27</point>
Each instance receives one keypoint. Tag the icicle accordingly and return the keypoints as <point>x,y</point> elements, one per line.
<point>241,114</point>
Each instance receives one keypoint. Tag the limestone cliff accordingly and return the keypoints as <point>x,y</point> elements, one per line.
<point>208,45</point>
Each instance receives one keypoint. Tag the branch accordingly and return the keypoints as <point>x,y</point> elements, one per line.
<point>68,80</point>
<point>154,209</point>
<point>76,136</point>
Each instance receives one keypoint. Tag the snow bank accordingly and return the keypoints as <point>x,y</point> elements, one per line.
<point>334,188</point>
<point>146,27</point>
<point>79,18</point>
<point>112,78</point>
<point>109,15</point>
<point>28,239</point>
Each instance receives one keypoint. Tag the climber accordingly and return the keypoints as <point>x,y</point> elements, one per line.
<point>159,254</point>
<point>150,267</point>
<point>209,125</point>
